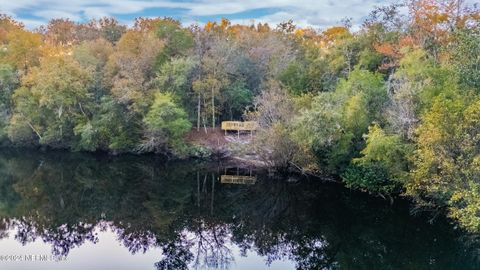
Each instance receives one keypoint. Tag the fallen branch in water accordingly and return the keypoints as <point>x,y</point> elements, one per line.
<point>312,174</point>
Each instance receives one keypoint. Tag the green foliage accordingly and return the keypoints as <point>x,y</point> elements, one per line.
<point>369,59</point>
<point>427,80</point>
<point>368,84</point>
<point>176,77</point>
<point>294,77</point>
<point>167,124</point>
<point>8,82</point>
<point>383,166</point>
<point>112,128</point>
<point>198,151</point>
<point>178,40</point>
<point>237,97</point>
<point>372,177</point>
<point>315,95</point>
<point>334,125</point>
<point>165,116</point>
<point>465,57</point>
<point>446,162</point>
<point>355,114</point>
<point>54,96</point>
<point>388,150</point>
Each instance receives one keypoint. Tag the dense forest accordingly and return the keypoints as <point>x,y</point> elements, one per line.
<point>391,106</point>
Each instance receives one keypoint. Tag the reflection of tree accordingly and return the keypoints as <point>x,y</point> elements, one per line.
<point>26,231</point>
<point>62,238</point>
<point>136,241</point>
<point>4,228</point>
<point>210,247</point>
<point>175,256</point>
<point>67,236</point>
<point>185,212</point>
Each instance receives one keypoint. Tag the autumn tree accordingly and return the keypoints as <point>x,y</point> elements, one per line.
<point>130,69</point>
<point>446,162</point>
<point>53,98</point>
<point>110,29</point>
<point>413,88</point>
<point>432,22</point>
<point>94,55</point>
<point>60,32</point>
<point>23,49</point>
<point>9,80</point>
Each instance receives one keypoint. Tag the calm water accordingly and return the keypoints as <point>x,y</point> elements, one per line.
<point>74,211</point>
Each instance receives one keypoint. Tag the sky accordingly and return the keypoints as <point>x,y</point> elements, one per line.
<point>318,14</point>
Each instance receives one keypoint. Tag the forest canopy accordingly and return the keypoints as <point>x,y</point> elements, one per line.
<point>390,107</point>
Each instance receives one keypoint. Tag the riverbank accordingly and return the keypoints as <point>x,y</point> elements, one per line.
<point>227,145</point>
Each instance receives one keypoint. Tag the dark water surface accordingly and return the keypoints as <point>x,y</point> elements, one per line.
<point>77,211</point>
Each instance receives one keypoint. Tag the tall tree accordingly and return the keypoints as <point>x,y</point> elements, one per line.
<point>52,99</point>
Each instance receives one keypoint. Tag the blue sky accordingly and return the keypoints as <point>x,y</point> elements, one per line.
<point>315,13</point>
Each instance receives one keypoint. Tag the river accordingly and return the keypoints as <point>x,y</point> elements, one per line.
<point>80,211</point>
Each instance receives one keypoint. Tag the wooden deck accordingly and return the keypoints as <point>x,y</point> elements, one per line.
<point>239,126</point>
<point>238,179</point>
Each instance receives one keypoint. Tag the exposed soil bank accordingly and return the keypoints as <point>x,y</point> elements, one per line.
<point>230,146</point>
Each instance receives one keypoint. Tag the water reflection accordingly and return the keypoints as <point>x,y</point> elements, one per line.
<point>195,218</point>
<point>236,175</point>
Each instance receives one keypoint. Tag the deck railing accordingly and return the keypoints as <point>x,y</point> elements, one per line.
<point>238,179</point>
<point>239,126</point>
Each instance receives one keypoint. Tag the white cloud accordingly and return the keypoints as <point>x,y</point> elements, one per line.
<point>48,14</point>
<point>95,13</point>
<point>315,13</point>
<point>32,24</point>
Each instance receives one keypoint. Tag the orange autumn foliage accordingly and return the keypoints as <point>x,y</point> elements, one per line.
<point>393,51</point>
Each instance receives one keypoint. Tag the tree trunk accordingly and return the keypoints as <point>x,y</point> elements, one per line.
<point>213,108</point>
<point>34,130</point>
<point>198,113</point>
<point>205,125</point>
<point>205,116</point>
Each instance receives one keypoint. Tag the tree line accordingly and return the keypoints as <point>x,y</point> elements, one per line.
<point>391,107</point>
